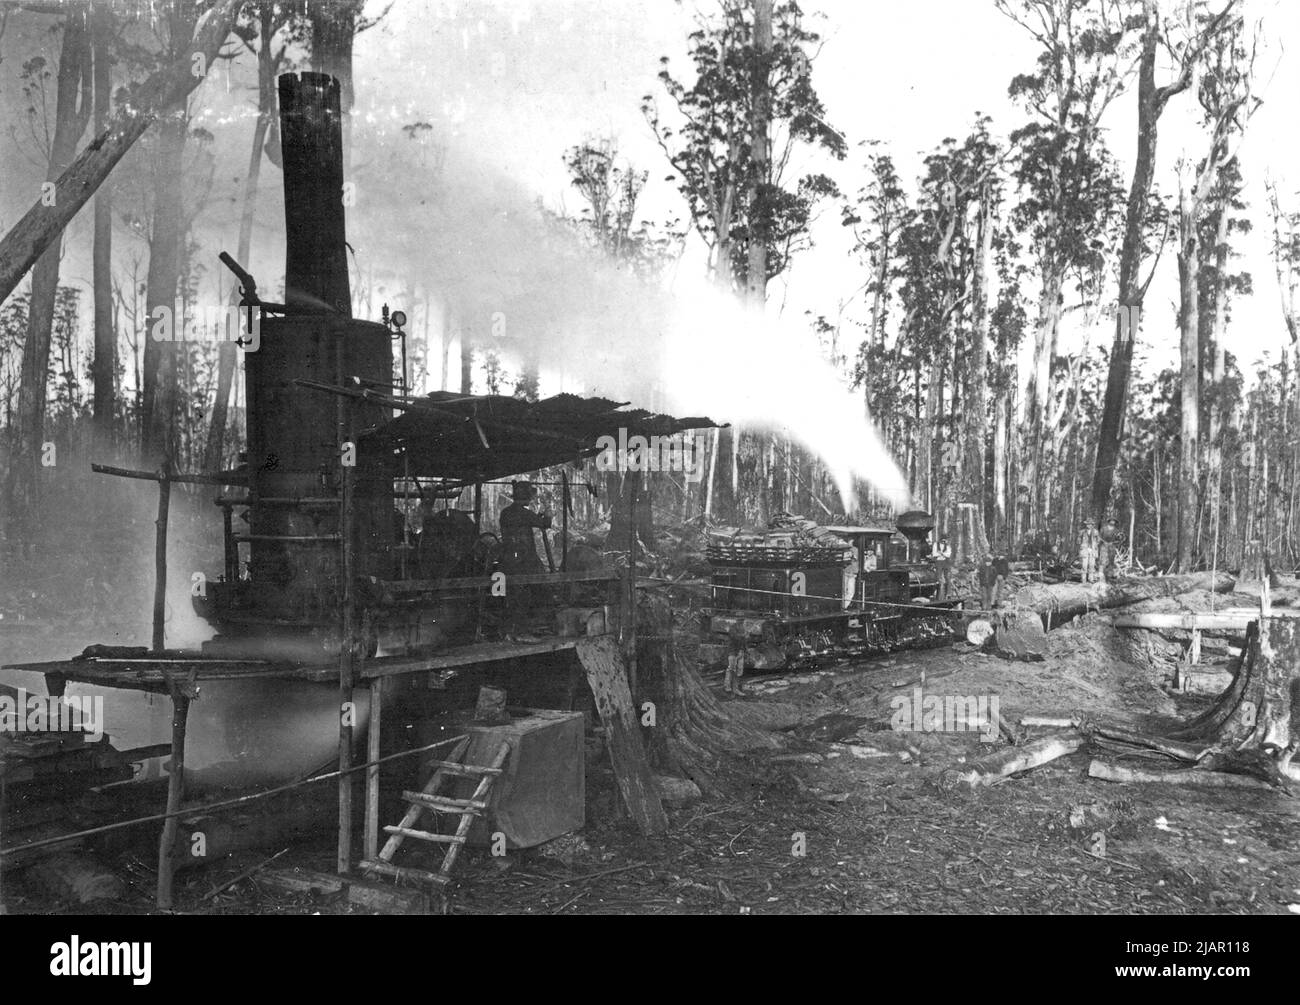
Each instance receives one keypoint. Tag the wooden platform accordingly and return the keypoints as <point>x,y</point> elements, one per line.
<point>152,672</point>
<point>1228,618</point>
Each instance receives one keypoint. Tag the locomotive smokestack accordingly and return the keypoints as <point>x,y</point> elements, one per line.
<point>311,138</point>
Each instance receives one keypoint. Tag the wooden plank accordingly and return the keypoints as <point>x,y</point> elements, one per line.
<point>1218,620</point>
<point>481,652</point>
<point>160,556</point>
<point>607,676</point>
<point>468,770</point>
<point>445,804</point>
<point>175,794</point>
<point>404,873</point>
<point>150,674</point>
<point>398,586</point>
<point>372,771</point>
<point>370,896</point>
<point>419,835</point>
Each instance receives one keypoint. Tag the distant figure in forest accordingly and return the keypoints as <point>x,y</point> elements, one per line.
<point>1107,550</point>
<point>989,585</point>
<point>1002,568</point>
<point>1089,548</point>
<point>943,566</point>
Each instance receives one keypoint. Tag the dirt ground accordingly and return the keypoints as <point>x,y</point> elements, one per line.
<point>851,817</point>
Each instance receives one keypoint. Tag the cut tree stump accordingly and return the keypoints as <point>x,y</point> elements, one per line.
<point>1255,565</point>
<point>1247,733</point>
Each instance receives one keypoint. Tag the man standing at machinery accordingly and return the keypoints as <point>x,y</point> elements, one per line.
<point>519,551</point>
<point>518,544</point>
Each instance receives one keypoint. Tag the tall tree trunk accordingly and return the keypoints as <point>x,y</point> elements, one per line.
<point>104,365</point>
<point>1151,103</point>
<point>466,363</point>
<point>446,346</point>
<point>1189,271</point>
<point>74,82</point>
<point>760,123</point>
<point>333,30</point>
<point>24,243</point>
<point>1001,527</point>
<point>929,433</point>
<point>976,418</point>
<point>158,438</point>
<point>1038,390</point>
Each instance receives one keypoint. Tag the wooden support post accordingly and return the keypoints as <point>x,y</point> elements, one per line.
<point>629,638</point>
<point>160,557</point>
<point>348,616</point>
<point>372,772</point>
<point>230,547</point>
<point>609,684</point>
<point>4,809</point>
<point>564,524</point>
<point>175,794</point>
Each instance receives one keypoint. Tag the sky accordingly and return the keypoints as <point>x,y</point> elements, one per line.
<point>518,82</point>
<point>905,74</point>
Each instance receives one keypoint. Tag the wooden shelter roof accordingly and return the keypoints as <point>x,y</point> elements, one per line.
<point>474,438</point>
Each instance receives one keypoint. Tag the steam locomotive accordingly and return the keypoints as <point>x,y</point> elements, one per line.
<point>799,593</point>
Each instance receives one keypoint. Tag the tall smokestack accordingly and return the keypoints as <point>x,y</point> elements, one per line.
<point>311,139</point>
<point>295,444</point>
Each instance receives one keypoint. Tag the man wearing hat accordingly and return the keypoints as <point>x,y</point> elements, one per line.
<point>518,543</point>
<point>519,554</point>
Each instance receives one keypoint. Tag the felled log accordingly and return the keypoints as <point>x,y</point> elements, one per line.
<point>271,822</point>
<point>77,877</point>
<point>1176,749</point>
<point>1060,602</point>
<point>1012,760</point>
<point>979,631</point>
<point>1185,776</point>
<point>1020,635</point>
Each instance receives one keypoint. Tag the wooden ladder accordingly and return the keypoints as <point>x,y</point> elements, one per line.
<point>427,800</point>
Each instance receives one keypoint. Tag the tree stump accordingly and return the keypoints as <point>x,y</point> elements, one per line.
<point>1255,565</point>
<point>969,543</point>
<point>1249,727</point>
